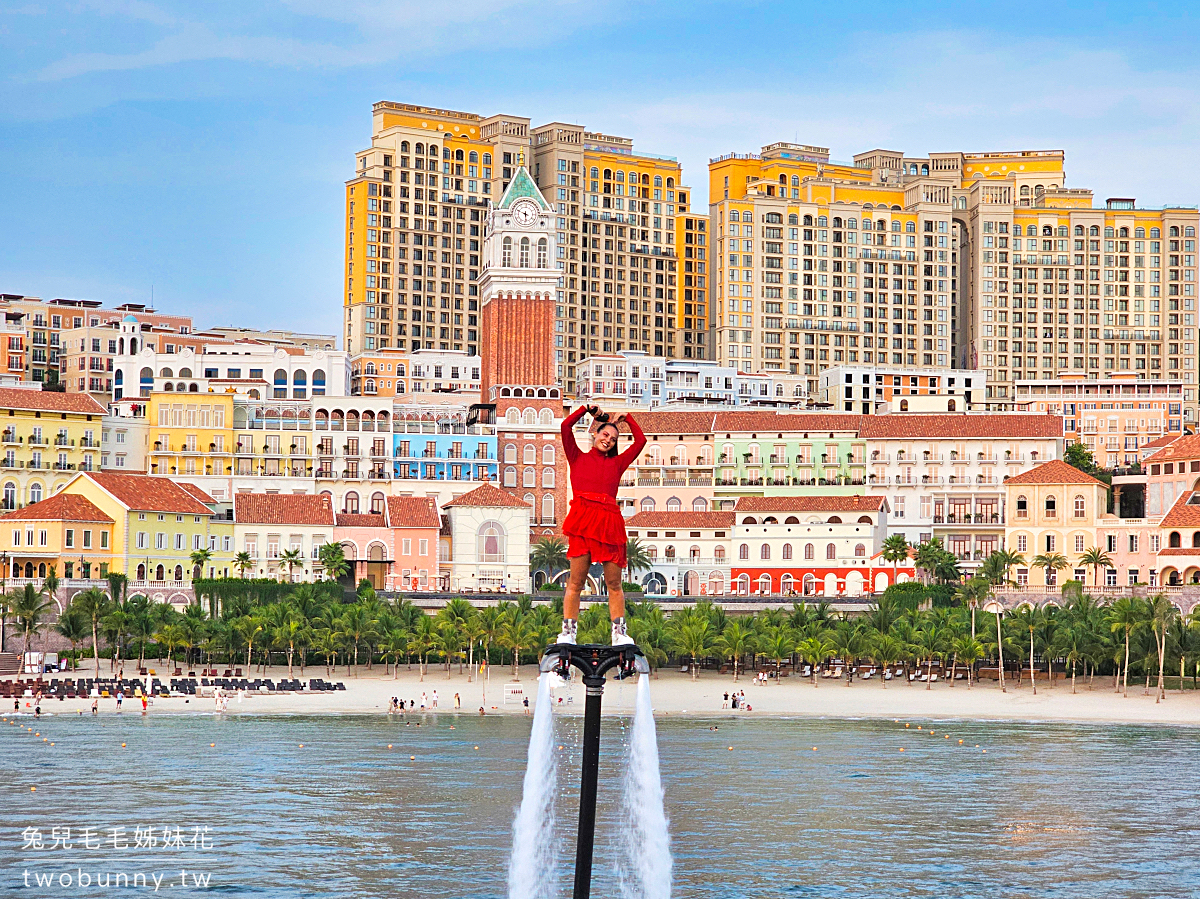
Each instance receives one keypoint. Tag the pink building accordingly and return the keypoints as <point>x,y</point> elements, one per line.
<point>396,549</point>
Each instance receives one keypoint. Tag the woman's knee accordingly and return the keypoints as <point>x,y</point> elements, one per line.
<point>612,580</point>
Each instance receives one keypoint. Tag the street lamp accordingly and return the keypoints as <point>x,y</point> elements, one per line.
<point>3,597</point>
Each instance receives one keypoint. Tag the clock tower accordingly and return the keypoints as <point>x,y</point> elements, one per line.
<point>517,299</point>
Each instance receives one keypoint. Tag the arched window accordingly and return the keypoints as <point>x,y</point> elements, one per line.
<point>950,406</point>
<point>529,457</point>
<point>744,551</point>
<point>1173,541</point>
<point>647,504</point>
<point>510,452</point>
<point>764,551</point>
<point>548,507</point>
<point>548,454</point>
<point>547,477</point>
<point>860,551</point>
<point>719,555</point>
<point>506,253</point>
<point>513,417</point>
<point>490,542</point>
<point>524,261</point>
<point>831,551</point>
<point>543,256</point>
<point>699,504</point>
<point>1051,507</point>
<point>351,504</point>
<point>670,552</point>
<point>787,550</point>
<point>1079,507</point>
<point>530,416</point>
<point>528,478</point>
<point>674,504</point>
<point>1022,507</point>
<point>810,551</point>
<point>1196,539</point>
<point>377,502</point>
<point>10,495</point>
<point>764,583</point>
<point>510,477</point>
<point>35,493</point>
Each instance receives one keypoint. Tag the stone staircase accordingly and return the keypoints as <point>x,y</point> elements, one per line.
<point>10,664</point>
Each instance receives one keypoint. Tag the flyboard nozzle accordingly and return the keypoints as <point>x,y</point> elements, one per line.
<point>594,660</point>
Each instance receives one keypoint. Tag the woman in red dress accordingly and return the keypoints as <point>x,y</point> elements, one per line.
<point>595,527</point>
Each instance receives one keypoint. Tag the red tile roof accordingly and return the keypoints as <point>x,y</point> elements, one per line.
<point>48,401</point>
<point>807,422</point>
<point>60,507</point>
<point>684,521</point>
<point>1055,472</point>
<point>698,422</point>
<point>349,520</point>
<point>148,493</point>
<point>1187,447</point>
<point>1179,551</point>
<point>413,512</point>
<point>855,503</point>
<point>1160,442</point>
<point>996,426</point>
<point>197,493</point>
<point>1183,514</point>
<point>488,497</point>
<point>283,508</point>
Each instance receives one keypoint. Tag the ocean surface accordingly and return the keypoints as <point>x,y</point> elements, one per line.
<point>307,806</point>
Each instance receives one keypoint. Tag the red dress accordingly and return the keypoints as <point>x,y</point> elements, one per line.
<point>595,525</point>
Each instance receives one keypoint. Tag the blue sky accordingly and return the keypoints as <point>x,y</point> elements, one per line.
<point>200,149</point>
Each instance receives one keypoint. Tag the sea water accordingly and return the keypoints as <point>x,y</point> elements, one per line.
<point>319,806</point>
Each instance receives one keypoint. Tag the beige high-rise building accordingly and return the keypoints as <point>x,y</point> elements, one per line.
<point>982,261</point>
<point>415,217</point>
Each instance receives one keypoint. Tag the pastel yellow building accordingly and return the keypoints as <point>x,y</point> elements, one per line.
<point>67,533</point>
<point>1054,509</point>
<point>45,437</point>
<point>191,434</point>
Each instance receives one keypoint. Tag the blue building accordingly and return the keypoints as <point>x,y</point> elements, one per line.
<point>435,443</point>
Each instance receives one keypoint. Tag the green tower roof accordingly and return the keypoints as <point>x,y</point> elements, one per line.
<point>522,186</point>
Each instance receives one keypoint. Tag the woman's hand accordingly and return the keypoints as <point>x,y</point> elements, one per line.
<point>618,418</point>
<point>593,411</point>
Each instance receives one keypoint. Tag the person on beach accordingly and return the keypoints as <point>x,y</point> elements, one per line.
<point>457,701</point>
<point>120,699</point>
<point>594,526</point>
<point>435,699</point>
<point>95,706</point>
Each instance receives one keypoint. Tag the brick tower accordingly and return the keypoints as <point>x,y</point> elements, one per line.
<point>517,305</point>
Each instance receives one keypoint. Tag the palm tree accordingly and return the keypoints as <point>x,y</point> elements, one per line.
<point>242,561</point>
<point>291,558</point>
<point>1162,615</point>
<point>734,642</point>
<point>692,637</point>
<point>30,606</point>
<point>1052,562</point>
<point>777,644</point>
<point>50,583</point>
<point>930,642</point>
<point>968,651</point>
<point>248,627</point>
<point>1127,613</point>
<point>636,558</point>
<point>200,558</point>
<point>424,639</point>
<point>1032,619</point>
<point>928,557</point>
<point>548,554</point>
<point>848,643</point>
<point>333,560</point>
<point>93,605</point>
<point>886,650</point>
<point>457,615</point>
<point>517,634</point>
<point>815,650</point>
<point>895,550</point>
<point>73,625</point>
<point>1070,642</point>
<point>118,587</point>
<point>1000,647</point>
<point>171,636</point>
<point>973,592</point>
<point>1096,558</point>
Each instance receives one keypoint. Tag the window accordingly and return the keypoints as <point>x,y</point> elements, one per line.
<point>648,504</point>
<point>1079,507</point>
<point>423,547</point>
<point>1133,543</point>
<point>1050,543</point>
<point>809,551</point>
<point>765,551</point>
<point>1022,543</point>
<point>1051,507</point>
<point>1079,543</point>
<point>1022,507</point>
<point>744,551</point>
<point>787,550</point>
<point>831,551</point>
<point>860,551</point>
<point>490,539</point>
<point>1022,577</point>
<point>406,546</point>
<point>68,542</point>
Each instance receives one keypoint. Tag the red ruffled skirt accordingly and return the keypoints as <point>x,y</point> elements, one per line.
<point>595,526</point>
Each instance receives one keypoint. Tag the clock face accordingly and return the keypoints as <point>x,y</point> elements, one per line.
<point>525,214</point>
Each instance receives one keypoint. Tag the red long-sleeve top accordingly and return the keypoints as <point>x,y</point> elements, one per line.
<point>594,472</point>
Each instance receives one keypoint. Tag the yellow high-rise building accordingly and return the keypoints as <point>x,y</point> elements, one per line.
<point>980,261</point>
<point>415,214</point>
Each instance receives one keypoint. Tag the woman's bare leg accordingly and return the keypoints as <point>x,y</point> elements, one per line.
<point>575,582</point>
<point>616,593</point>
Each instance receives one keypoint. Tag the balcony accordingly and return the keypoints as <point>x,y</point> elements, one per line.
<point>10,436</point>
<point>89,443</point>
<point>63,440</point>
<point>38,441</point>
<point>931,459</point>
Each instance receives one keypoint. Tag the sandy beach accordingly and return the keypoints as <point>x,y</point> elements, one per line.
<point>675,693</point>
